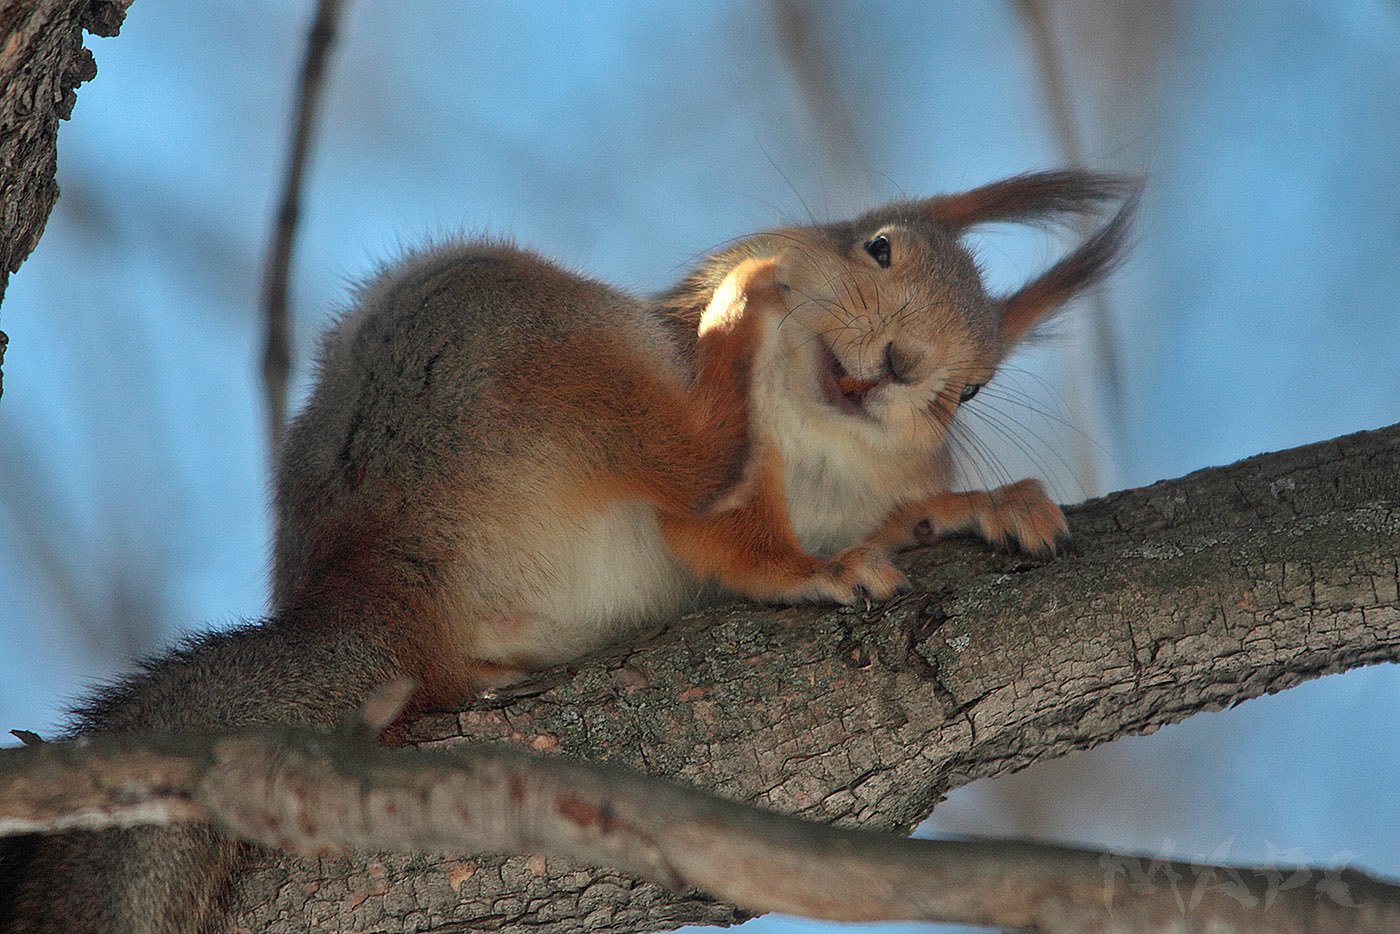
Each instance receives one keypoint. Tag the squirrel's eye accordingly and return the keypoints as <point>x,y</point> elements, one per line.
<point>879,250</point>
<point>969,391</point>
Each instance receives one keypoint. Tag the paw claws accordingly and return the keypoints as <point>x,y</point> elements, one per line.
<point>1022,517</point>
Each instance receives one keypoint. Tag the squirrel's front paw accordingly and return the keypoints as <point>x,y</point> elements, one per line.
<point>858,576</point>
<point>1021,515</point>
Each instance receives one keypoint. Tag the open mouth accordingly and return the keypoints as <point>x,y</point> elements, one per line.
<point>842,390</point>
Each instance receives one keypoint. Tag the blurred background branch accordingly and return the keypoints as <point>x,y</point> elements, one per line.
<point>1055,87</point>
<point>277,344</point>
<point>800,26</point>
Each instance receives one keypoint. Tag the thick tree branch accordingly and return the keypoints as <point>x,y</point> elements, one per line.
<point>1186,596</point>
<point>313,793</point>
<point>42,62</point>
<point>1189,595</point>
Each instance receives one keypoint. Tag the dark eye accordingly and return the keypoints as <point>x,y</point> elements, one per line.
<point>879,250</point>
<point>969,391</point>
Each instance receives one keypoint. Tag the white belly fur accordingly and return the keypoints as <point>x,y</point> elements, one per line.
<point>612,572</point>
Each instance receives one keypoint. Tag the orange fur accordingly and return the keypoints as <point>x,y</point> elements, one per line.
<point>683,449</point>
<point>1019,513</point>
<point>752,550</point>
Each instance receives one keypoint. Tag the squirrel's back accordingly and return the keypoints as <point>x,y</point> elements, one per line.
<point>422,500</point>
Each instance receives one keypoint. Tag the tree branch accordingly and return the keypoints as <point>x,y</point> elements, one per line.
<point>1189,595</point>
<point>313,793</point>
<point>42,62</point>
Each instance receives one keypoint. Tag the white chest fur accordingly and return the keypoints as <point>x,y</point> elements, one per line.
<point>843,475</point>
<point>612,571</point>
<point>842,479</point>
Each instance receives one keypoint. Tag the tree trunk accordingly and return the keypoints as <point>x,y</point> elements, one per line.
<point>42,62</point>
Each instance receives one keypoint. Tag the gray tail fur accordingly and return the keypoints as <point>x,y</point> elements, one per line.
<point>171,880</point>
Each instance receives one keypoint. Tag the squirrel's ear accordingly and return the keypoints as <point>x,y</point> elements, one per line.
<point>1091,262</point>
<point>688,299</point>
<point>751,282</point>
<point>1047,197</point>
<point>1034,197</point>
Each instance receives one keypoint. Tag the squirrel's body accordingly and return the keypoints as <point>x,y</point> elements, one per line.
<point>504,464</point>
<point>441,448</point>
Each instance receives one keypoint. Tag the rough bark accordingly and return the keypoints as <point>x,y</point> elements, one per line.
<point>310,792</point>
<point>42,62</point>
<point>1189,595</point>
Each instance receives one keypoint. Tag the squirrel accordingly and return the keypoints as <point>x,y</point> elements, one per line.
<point>503,465</point>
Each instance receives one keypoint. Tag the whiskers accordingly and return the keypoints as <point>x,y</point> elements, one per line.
<point>1005,420</point>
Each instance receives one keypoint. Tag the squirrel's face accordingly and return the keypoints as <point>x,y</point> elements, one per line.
<point>885,326</point>
<point>888,327</point>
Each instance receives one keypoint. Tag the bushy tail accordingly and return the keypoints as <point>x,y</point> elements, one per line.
<point>170,880</point>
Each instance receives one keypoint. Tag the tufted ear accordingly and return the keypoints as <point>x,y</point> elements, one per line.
<point>1034,197</point>
<point>1047,197</point>
<point>1091,262</point>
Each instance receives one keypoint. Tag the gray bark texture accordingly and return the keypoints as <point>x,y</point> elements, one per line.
<point>1190,595</point>
<point>42,62</point>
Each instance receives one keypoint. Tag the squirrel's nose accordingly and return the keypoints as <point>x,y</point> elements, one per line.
<point>897,365</point>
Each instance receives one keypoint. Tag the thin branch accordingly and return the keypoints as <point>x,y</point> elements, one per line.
<point>277,349</point>
<point>318,794</point>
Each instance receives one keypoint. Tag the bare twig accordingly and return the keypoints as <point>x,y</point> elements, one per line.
<point>316,793</point>
<point>1102,333</point>
<point>277,352</point>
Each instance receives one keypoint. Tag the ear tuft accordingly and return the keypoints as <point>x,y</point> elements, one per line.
<point>1035,197</point>
<point>1093,261</point>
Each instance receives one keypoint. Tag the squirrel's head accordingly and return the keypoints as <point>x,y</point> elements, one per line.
<point>887,326</point>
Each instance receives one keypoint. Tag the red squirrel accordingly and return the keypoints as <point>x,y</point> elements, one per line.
<point>504,465</point>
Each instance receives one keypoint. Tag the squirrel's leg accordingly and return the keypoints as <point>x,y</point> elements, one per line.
<point>691,453</point>
<point>752,550</point>
<point>685,449</point>
<point>1018,515</point>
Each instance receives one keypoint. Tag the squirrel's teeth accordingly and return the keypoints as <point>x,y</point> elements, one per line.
<point>842,391</point>
<point>854,388</point>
